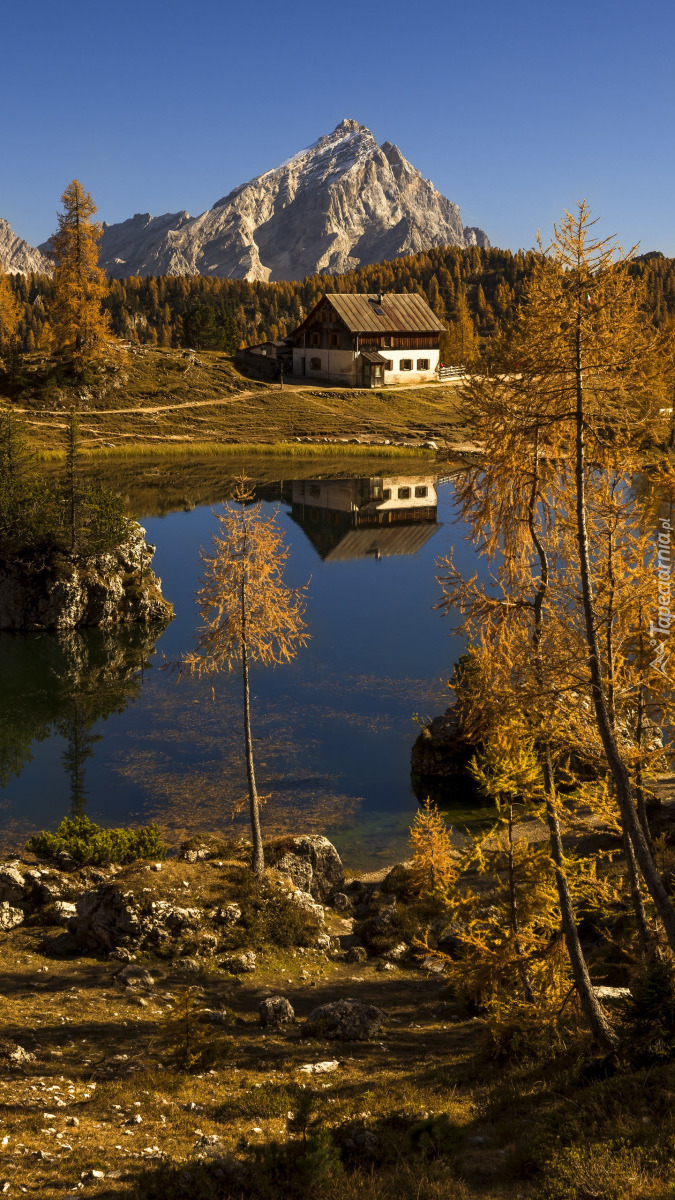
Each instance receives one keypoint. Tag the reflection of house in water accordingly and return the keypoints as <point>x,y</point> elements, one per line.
<point>358,518</point>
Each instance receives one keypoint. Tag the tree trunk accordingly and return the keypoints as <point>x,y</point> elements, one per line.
<point>592,1009</point>
<point>515,925</point>
<point>254,808</point>
<point>644,934</point>
<point>639,789</point>
<point>622,784</point>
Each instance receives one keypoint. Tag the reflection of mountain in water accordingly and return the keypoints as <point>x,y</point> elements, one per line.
<point>376,517</point>
<point>63,683</point>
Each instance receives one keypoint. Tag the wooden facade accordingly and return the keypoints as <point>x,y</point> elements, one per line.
<point>362,340</point>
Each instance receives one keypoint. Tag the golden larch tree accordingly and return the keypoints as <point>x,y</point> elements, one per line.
<point>80,325</point>
<point>434,868</point>
<point>10,315</point>
<point>249,614</point>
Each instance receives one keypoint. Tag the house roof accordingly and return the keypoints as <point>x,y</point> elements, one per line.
<point>383,542</point>
<point>372,356</point>
<point>389,313</point>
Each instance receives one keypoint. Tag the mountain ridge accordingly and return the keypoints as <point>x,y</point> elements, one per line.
<point>341,203</point>
<point>18,257</point>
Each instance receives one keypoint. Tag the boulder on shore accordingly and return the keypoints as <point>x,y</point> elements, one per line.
<point>311,861</point>
<point>73,591</point>
<point>276,1011</point>
<point>442,749</point>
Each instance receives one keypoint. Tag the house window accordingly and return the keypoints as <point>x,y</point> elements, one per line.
<point>315,364</point>
<point>314,489</point>
<point>386,495</point>
<point>335,339</point>
<point>316,339</point>
<point>388,366</point>
<point>423,364</point>
<point>420,492</point>
<point>406,364</point>
<point>403,493</point>
<point>376,491</point>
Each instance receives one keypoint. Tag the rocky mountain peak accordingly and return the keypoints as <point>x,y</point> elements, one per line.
<point>18,257</point>
<point>337,205</point>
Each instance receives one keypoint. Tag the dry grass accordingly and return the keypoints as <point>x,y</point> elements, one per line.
<point>155,397</point>
<point>105,1055</point>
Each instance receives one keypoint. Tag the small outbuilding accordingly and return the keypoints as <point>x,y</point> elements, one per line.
<point>267,360</point>
<point>368,340</point>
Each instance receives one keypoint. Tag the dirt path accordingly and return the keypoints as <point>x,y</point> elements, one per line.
<point>225,400</point>
<point>117,412</point>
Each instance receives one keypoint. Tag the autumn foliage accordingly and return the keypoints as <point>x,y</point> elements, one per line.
<point>79,323</point>
<point>249,615</point>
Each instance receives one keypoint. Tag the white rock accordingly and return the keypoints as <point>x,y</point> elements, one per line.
<point>342,203</point>
<point>610,995</point>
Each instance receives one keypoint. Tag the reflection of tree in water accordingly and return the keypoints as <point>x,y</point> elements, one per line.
<point>63,683</point>
<point>80,747</point>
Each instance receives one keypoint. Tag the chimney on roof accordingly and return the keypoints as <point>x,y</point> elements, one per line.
<point>379,298</point>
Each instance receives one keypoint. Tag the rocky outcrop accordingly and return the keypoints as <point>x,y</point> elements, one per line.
<point>240,964</point>
<point>73,591</point>
<point>311,861</point>
<point>109,917</point>
<point>338,205</point>
<point>442,749</point>
<point>18,257</point>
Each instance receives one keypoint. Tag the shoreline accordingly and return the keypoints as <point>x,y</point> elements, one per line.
<point>304,449</point>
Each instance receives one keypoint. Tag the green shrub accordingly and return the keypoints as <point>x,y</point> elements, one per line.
<point>650,1015</point>
<point>88,844</point>
<point>298,1169</point>
<point>279,1171</point>
<point>435,1136</point>
<point>269,917</point>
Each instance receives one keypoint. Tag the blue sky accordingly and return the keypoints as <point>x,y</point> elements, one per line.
<point>514,110</point>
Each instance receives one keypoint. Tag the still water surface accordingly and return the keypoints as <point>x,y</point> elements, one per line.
<point>90,721</point>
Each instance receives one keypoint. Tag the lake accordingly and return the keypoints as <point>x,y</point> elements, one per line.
<point>92,721</point>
